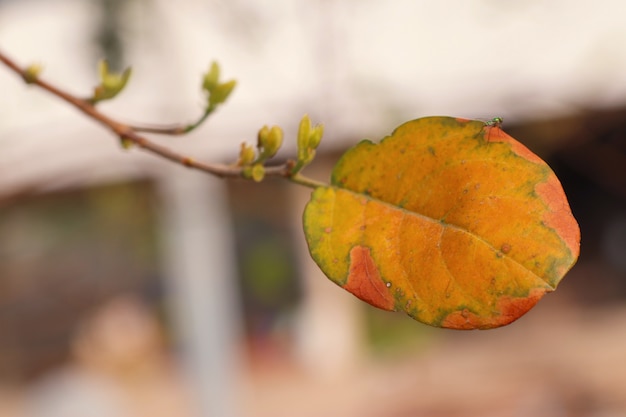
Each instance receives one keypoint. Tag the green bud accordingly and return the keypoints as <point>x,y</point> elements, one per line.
<point>246,155</point>
<point>126,143</point>
<point>274,141</point>
<point>103,69</point>
<point>211,77</point>
<point>304,131</point>
<point>262,137</point>
<point>32,73</point>
<point>316,136</point>
<point>111,84</point>
<point>220,93</point>
<point>258,172</point>
<point>309,156</point>
<point>270,141</point>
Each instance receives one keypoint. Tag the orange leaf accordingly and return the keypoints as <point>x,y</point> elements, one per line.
<point>449,220</point>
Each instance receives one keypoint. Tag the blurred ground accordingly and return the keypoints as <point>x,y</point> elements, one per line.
<point>565,363</point>
<point>557,361</point>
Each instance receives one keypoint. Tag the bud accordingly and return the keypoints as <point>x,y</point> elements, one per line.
<point>309,156</point>
<point>262,137</point>
<point>274,140</point>
<point>270,141</point>
<point>211,77</point>
<point>32,73</point>
<point>246,155</point>
<point>304,131</point>
<point>258,172</point>
<point>126,143</point>
<point>220,93</point>
<point>111,84</point>
<point>316,136</point>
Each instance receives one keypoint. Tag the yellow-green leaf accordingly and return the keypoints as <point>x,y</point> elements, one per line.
<point>221,92</point>
<point>211,77</point>
<point>449,220</point>
<point>111,84</point>
<point>246,155</point>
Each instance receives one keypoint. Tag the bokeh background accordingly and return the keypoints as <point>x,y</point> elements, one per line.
<point>132,287</point>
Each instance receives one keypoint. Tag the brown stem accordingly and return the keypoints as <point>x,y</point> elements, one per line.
<point>130,133</point>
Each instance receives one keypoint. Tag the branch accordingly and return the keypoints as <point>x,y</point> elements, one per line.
<point>129,133</point>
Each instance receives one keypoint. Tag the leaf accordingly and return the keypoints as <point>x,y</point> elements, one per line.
<point>211,78</point>
<point>220,93</point>
<point>111,84</point>
<point>450,220</point>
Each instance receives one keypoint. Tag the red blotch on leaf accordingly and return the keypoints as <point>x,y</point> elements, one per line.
<point>510,309</point>
<point>559,217</point>
<point>364,280</point>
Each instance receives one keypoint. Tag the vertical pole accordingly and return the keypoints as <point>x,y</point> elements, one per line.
<point>201,282</point>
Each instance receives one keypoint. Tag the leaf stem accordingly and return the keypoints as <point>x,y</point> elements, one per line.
<point>306,181</point>
<point>202,118</point>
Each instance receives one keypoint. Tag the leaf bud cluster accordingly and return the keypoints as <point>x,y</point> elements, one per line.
<point>269,141</point>
<point>309,138</point>
<point>216,91</point>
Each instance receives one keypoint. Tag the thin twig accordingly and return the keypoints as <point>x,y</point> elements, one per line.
<point>130,133</point>
<point>173,129</point>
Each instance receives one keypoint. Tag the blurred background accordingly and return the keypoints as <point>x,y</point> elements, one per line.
<point>132,287</point>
